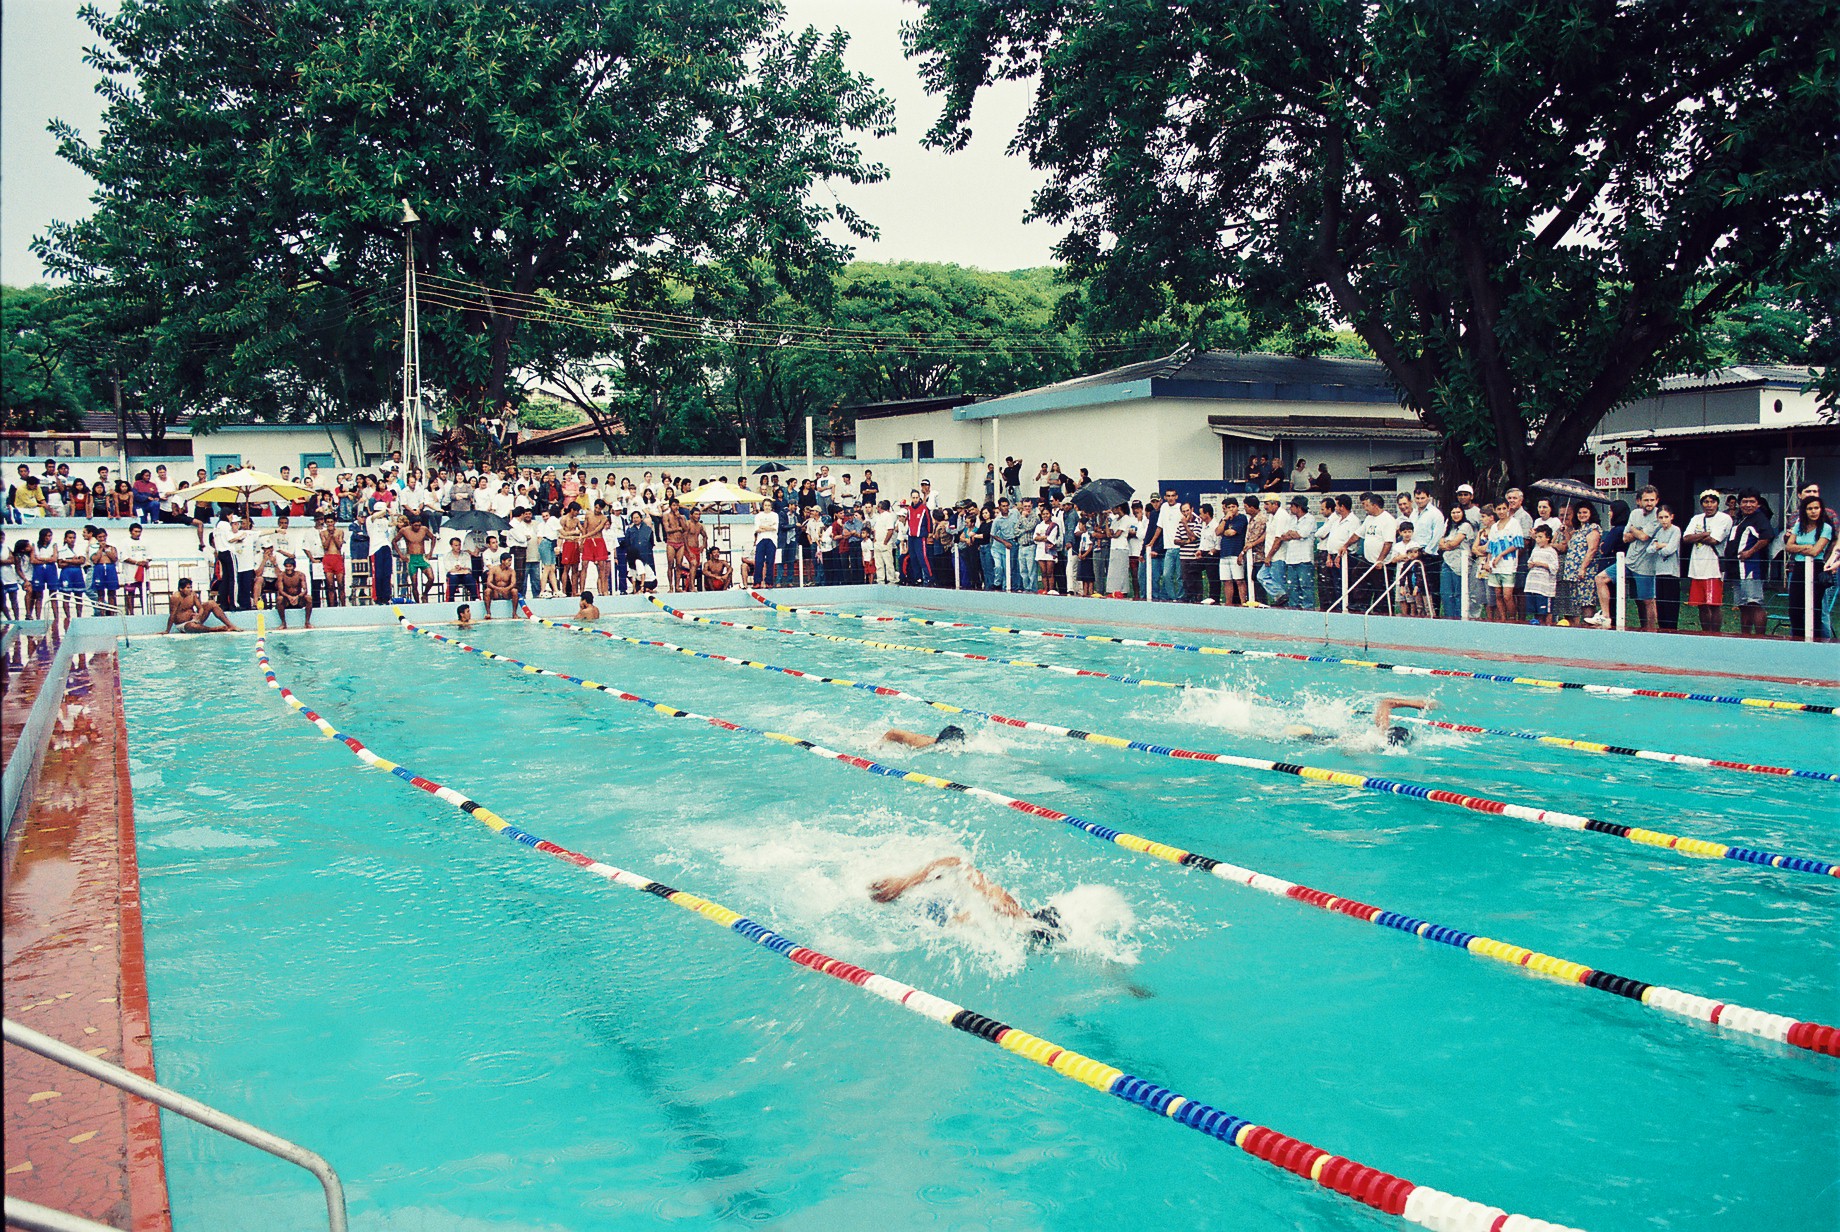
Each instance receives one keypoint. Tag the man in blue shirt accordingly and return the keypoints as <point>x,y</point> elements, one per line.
<point>1003,533</point>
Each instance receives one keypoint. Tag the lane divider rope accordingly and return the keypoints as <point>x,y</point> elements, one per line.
<point>1813,1036</point>
<point>1419,1204</point>
<point>1592,746</point>
<point>1702,849</point>
<point>1681,759</point>
<point>1404,669</point>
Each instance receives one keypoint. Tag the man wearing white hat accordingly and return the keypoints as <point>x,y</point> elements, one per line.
<point>1706,535</point>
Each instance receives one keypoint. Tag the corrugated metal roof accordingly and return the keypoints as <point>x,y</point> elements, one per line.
<point>1742,374</point>
<point>1694,430</point>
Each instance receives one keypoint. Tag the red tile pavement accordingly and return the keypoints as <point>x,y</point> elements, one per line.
<point>75,971</point>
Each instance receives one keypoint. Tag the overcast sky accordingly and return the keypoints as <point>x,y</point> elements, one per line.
<point>964,207</point>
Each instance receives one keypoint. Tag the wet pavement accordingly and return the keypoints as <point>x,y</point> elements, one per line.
<point>74,971</point>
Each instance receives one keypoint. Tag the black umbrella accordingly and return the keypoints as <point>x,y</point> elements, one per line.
<point>1102,494</point>
<point>476,519</point>
<point>769,468</point>
<point>1571,489</point>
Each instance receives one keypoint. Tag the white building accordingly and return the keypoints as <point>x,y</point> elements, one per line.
<point>1190,421</point>
<point>1747,426</point>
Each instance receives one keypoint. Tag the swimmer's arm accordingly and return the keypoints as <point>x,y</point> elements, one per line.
<point>997,896</point>
<point>1384,710</point>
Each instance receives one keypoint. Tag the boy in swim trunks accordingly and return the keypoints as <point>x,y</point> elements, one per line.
<point>188,612</point>
<point>1043,926</point>
<point>105,579</point>
<point>715,571</point>
<point>292,590</point>
<point>414,536</point>
<point>501,583</point>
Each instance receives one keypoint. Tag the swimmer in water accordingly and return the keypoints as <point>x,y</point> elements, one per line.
<point>1383,712</point>
<point>949,734</point>
<point>1043,926</point>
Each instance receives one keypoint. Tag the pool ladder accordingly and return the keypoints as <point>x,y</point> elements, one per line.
<point>30,1215</point>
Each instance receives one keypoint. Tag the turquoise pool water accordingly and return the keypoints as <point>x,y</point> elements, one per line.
<point>480,1037</point>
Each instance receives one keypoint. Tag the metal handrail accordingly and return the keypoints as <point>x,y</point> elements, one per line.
<point>35,1218</point>
<point>185,1106</point>
<point>1352,587</point>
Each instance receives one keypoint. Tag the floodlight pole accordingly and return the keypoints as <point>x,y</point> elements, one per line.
<point>414,442</point>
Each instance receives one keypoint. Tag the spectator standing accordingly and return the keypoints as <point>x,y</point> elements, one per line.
<point>1458,565</point>
<point>1752,535</point>
<point>1506,539</point>
<point>1166,557</point>
<point>1706,535</point>
<point>766,545</point>
<point>1542,576</point>
<point>1297,552</point>
<point>1230,531</point>
<point>1808,543</point>
<point>1333,533</point>
<point>1379,529</point>
<point>1664,554</point>
<point>1427,532</point>
<point>1639,556</point>
<point>1188,548</point>
<point>1577,573</point>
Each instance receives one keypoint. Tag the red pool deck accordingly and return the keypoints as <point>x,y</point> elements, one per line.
<point>75,971</point>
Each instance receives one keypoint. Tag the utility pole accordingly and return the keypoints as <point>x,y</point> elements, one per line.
<point>121,419</point>
<point>414,444</point>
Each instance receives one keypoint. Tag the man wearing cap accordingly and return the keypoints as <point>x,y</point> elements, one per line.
<point>1467,509</point>
<point>1706,535</point>
<point>926,495</point>
<point>1300,556</point>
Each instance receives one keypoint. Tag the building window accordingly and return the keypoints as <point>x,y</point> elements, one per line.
<point>907,451</point>
<point>926,449</point>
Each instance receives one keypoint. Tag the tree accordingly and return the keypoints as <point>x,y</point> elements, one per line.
<point>255,155</point>
<point>42,387</point>
<point>1529,212</point>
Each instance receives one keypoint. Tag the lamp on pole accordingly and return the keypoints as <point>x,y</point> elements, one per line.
<point>414,442</point>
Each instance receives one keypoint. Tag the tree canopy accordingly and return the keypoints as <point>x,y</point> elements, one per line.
<point>1529,212</point>
<point>255,155</point>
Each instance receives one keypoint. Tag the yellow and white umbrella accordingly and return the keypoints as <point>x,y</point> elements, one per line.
<point>245,485</point>
<point>720,494</point>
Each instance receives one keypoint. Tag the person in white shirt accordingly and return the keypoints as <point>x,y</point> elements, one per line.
<point>926,494</point>
<point>1280,528</point>
<point>846,494</point>
<point>1379,530</point>
<point>1706,535</point>
<point>1167,582</point>
<point>309,550</point>
<point>246,551</point>
<point>1047,537</point>
<point>134,562</point>
<point>549,529</point>
<point>766,543</point>
<point>521,537</point>
<point>1298,553</point>
<point>1338,526</point>
<point>884,529</point>
<point>457,570</point>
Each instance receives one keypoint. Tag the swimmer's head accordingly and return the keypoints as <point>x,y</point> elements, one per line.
<point>951,733</point>
<point>1398,735</point>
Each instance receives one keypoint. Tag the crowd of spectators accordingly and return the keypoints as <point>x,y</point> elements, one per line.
<point>1289,541</point>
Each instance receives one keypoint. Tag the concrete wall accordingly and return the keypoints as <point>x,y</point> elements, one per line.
<point>272,447</point>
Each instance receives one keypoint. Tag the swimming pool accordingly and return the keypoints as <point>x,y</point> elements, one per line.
<point>478,1037</point>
